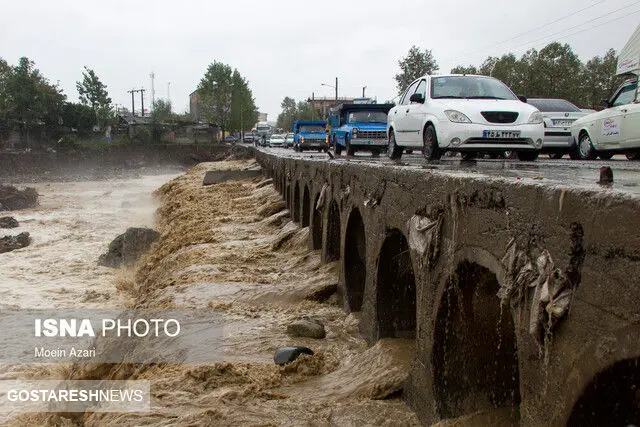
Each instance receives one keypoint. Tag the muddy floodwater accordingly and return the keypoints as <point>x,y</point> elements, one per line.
<point>230,248</point>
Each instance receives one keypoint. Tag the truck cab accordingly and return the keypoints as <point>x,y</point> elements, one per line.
<point>361,126</point>
<point>310,135</point>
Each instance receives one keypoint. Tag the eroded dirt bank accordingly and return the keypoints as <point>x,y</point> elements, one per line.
<point>231,248</point>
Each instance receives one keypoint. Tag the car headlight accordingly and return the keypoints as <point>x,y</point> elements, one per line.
<point>354,132</point>
<point>302,139</point>
<point>457,116</point>
<point>536,118</point>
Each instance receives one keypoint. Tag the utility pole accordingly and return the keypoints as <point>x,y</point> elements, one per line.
<point>133,102</point>
<point>336,91</point>
<point>142,100</point>
<point>363,89</point>
<point>153,91</point>
<point>169,91</point>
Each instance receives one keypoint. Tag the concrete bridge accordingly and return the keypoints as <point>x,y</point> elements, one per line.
<point>519,296</point>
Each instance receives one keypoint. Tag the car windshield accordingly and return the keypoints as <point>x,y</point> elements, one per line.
<point>263,128</point>
<point>554,105</point>
<point>469,87</point>
<point>311,128</point>
<point>367,117</point>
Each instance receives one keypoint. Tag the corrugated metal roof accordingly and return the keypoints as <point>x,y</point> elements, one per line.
<point>629,59</point>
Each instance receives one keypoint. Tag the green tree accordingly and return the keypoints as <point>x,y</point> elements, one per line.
<point>94,93</point>
<point>461,69</point>
<point>288,114</point>
<point>78,116</point>
<point>214,94</point>
<point>243,114</point>
<point>600,79</point>
<point>417,63</point>
<point>559,72</point>
<point>29,98</point>
<point>161,111</point>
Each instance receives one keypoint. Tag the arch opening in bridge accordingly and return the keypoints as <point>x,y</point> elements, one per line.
<point>316,225</point>
<point>475,359</point>
<point>612,398</point>
<point>306,207</point>
<point>333,233</point>
<point>396,289</point>
<point>282,184</point>
<point>296,203</point>
<point>355,260</point>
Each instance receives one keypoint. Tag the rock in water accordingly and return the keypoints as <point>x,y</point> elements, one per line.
<point>306,328</point>
<point>289,354</point>
<point>11,243</point>
<point>128,247</point>
<point>13,199</point>
<point>9,222</point>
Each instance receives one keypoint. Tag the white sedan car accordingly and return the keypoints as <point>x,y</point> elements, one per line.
<point>276,141</point>
<point>613,130</point>
<point>465,113</point>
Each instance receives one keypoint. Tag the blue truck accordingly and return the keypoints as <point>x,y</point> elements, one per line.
<point>310,135</point>
<point>359,127</point>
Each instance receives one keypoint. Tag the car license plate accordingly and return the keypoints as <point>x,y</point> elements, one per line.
<point>501,134</point>
<point>562,123</point>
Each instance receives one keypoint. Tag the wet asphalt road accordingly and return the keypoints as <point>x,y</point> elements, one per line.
<point>544,171</point>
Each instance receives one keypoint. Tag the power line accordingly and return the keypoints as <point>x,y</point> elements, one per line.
<point>536,29</point>
<point>570,28</point>
<point>597,26</point>
<point>580,25</point>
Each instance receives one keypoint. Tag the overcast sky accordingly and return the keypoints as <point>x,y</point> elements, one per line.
<point>288,47</point>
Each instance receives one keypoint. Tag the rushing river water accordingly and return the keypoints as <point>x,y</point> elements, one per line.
<point>218,250</point>
<point>71,227</point>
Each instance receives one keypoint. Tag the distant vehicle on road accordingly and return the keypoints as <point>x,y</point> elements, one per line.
<point>230,138</point>
<point>248,137</point>
<point>310,135</point>
<point>559,115</point>
<point>359,127</point>
<point>288,140</point>
<point>276,140</point>
<point>262,134</point>
<point>466,113</point>
<point>616,129</point>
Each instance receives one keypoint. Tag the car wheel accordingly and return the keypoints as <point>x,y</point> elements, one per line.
<point>409,151</point>
<point>528,156</point>
<point>430,149</point>
<point>633,156</point>
<point>375,152</point>
<point>337,148</point>
<point>393,151</point>
<point>585,148</point>
<point>468,155</point>
<point>556,156</point>
<point>605,155</point>
<point>350,150</point>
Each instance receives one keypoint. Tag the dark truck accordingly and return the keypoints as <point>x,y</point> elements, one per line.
<point>359,127</point>
<point>310,135</point>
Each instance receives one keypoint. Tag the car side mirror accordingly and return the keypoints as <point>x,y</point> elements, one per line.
<point>523,98</point>
<point>605,103</point>
<point>416,97</point>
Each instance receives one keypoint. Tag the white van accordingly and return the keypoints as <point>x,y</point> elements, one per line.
<point>615,129</point>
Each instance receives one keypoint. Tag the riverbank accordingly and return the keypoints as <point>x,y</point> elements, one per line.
<point>109,161</point>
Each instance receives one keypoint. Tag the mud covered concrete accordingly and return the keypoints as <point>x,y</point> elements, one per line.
<point>118,161</point>
<point>517,295</point>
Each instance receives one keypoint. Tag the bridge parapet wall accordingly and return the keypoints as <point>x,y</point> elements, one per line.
<point>517,295</point>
